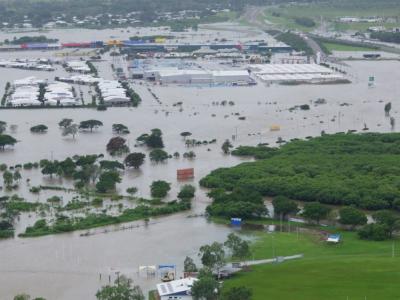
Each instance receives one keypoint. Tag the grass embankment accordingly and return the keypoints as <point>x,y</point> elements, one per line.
<point>342,47</point>
<point>355,269</point>
<point>62,225</point>
<point>294,41</point>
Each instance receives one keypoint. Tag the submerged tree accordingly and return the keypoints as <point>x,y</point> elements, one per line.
<point>160,188</point>
<point>117,145</point>
<point>392,122</point>
<point>388,107</point>
<point>6,140</point>
<point>64,123</point>
<point>185,134</point>
<point>120,129</point>
<point>3,126</point>
<point>90,125</point>
<point>226,146</point>
<point>135,160</point>
<point>158,155</point>
<point>8,179</point>
<point>70,130</point>
<point>39,128</point>
<point>152,140</point>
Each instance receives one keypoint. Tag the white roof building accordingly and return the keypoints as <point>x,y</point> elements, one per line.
<point>78,66</point>
<point>197,76</point>
<point>177,289</point>
<point>112,92</point>
<point>294,72</point>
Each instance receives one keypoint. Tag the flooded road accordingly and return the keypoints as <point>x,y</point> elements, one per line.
<point>68,266</point>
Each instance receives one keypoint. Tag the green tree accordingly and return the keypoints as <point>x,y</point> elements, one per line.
<point>50,168</point>
<point>134,160</point>
<point>212,256</point>
<point>239,248</point>
<point>389,219</point>
<point>237,293</point>
<point>206,287</point>
<point>22,297</point>
<point>122,289</point>
<point>39,128</point>
<point>120,129</point>
<point>111,165</point>
<point>132,190</point>
<point>152,140</point>
<point>315,211</point>
<point>283,206</point>
<point>17,176</point>
<point>160,188</point>
<point>8,178</point>
<point>189,265</point>
<point>374,232</point>
<point>108,181</point>
<point>6,140</point>
<point>352,216</point>
<point>158,155</point>
<point>90,125</point>
<point>187,192</point>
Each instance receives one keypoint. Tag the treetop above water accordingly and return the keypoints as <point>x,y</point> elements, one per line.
<point>341,169</point>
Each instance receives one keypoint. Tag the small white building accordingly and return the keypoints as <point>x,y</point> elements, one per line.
<point>176,290</point>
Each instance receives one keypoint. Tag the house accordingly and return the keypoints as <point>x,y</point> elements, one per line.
<point>176,290</point>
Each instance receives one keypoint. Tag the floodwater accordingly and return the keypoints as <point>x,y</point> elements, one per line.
<point>67,266</point>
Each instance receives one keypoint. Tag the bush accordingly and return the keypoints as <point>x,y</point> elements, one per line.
<point>351,216</point>
<point>160,188</point>
<point>375,232</point>
<point>187,192</point>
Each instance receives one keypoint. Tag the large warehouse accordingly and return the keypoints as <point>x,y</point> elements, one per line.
<point>197,76</point>
<point>294,72</point>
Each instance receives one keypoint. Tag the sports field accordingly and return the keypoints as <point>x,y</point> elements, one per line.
<point>353,270</point>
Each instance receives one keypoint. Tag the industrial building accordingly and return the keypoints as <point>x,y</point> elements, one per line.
<point>36,65</point>
<point>78,66</point>
<point>59,94</point>
<point>26,93</point>
<point>112,93</point>
<point>312,73</point>
<point>79,79</point>
<point>198,76</point>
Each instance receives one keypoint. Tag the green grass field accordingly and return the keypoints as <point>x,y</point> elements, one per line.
<point>355,269</point>
<point>331,11</point>
<point>342,47</point>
